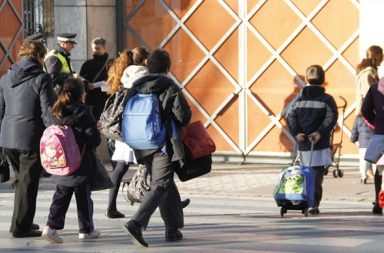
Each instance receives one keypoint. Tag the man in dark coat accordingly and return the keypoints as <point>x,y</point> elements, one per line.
<point>26,95</point>
<point>161,163</point>
<point>95,70</point>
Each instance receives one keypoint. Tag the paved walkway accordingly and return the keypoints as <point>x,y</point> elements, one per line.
<point>232,210</point>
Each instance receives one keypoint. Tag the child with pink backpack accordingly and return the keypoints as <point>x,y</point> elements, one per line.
<point>71,116</point>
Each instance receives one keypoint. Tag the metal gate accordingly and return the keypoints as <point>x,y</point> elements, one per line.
<point>242,62</point>
<point>11,32</point>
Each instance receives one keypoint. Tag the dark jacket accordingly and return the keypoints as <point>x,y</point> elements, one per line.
<point>53,66</point>
<point>361,132</point>
<point>96,98</point>
<point>314,111</point>
<point>174,105</point>
<point>373,109</point>
<point>79,117</point>
<point>26,96</point>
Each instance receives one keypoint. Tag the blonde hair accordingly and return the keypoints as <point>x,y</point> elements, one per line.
<point>136,56</point>
<point>32,49</point>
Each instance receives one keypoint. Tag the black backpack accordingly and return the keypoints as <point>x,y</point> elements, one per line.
<point>111,117</point>
<point>138,187</point>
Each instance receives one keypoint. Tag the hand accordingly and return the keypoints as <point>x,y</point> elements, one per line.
<point>314,137</point>
<point>77,76</point>
<point>300,137</point>
<point>91,86</point>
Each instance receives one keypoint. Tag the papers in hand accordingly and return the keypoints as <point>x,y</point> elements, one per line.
<point>102,85</point>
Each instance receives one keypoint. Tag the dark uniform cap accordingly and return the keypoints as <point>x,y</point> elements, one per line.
<point>35,37</point>
<point>67,37</point>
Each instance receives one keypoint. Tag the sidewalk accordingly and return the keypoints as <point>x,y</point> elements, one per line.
<point>255,180</point>
<point>259,180</point>
<point>231,210</point>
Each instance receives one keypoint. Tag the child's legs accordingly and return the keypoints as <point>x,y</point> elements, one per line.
<point>84,208</point>
<point>364,165</point>
<point>319,176</point>
<point>59,207</point>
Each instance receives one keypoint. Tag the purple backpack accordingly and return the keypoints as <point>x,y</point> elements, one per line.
<point>59,151</point>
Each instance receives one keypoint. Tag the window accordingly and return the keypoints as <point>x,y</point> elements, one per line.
<point>38,17</point>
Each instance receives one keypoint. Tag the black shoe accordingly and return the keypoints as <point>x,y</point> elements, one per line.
<point>377,210</point>
<point>172,235</point>
<point>314,210</point>
<point>35,226</point>
<point>114,214</point>
<point>185,203</point>
<point>135,234</point>
<point>32,233</point>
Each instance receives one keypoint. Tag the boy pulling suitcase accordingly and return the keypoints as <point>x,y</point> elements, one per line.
<point>312,119</point>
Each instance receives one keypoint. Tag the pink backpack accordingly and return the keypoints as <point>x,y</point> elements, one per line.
<point>59,152</point>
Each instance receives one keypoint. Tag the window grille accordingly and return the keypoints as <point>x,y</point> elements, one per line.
<point>38,17</point>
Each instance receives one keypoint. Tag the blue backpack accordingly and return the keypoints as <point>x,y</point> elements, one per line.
<point>142,128</point>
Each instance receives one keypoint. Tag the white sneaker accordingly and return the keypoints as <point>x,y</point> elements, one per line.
<point>51,235</point>
<point>94,234</point>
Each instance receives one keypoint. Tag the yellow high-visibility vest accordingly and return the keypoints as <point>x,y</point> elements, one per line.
<point>65,68</point>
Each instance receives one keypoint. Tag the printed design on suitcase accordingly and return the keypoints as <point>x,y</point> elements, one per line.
<point>292,184</point>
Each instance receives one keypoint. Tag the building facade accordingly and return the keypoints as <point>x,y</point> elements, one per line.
<point>240,63</point>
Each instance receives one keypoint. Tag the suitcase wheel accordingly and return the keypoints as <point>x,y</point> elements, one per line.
<point>283,211</point>
<point>338,173</point>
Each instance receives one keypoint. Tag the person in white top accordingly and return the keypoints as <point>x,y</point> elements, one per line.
<point>127,68</point>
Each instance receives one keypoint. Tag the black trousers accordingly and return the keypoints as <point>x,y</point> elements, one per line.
<point>163,194</point>
<point>319,176</point>
<point>378,181</point>
<point>27,167</point>
<point>119,171</point>
<point>60,203</point>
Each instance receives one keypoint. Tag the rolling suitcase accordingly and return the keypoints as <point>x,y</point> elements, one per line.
<point>295,189</point>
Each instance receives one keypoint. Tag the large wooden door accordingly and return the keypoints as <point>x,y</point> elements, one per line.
<point>11,32</point>
<point>242,62</point>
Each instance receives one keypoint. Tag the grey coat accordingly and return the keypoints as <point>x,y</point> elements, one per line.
<point>361,132</point>
<point>26,96</point>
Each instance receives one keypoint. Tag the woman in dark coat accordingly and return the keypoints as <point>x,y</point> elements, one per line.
<point>70,110</point>
<point>26,94</point>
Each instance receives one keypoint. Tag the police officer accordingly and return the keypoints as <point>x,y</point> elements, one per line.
<point>57,62</point>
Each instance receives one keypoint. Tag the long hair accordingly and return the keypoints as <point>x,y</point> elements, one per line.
<point>136,56</point>
<point>373,58</point>
<point>72,92</point>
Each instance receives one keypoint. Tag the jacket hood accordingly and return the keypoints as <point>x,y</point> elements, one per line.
<point>152,83</point>
<point>74,114</point>
<point>131,74</point>
<point>312,91</point>
<point>23,71</point>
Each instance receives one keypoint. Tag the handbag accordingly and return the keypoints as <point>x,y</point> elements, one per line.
<point>112,115</point>
<point>193,168</point>
<point>4,167</point>
<point>101,179</point>
<point>139,185</point>
<point>375,149</point>
<point>197,140</point>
